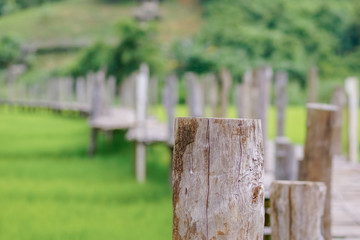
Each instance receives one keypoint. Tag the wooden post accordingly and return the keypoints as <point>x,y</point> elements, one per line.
<point>153,91</point>
<point>317,163</point>
<point>296,210</point>
<point>81,90</point>
<point>281,80</point>
<point>286,164</point>
<point>218,190</point>
<point>128,91</point>
<point>211,95</point>
<point>226,81</point>
<point>312,84</point>
<point>170,100</point>
<point>338,99</point>
<point>352,89</point>
<point>194,95</point>
<point>111,90</point>
<point>243,96</point>
<point>90,81</point>
<point>141,103</point>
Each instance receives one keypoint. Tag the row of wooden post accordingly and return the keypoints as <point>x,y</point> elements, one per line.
<point>218,174</point>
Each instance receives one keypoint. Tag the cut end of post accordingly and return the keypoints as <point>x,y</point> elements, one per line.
<point>321,106</point>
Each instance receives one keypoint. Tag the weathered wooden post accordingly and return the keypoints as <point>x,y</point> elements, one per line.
<point>285,162</point>
<point>281,80</point>
<point>194,95</point>
<point>218,175</point>
<point>90,79</point>
<point>111,90</point>
<point>226,81</point>
<point>317,163</point>
<point>153,91</point>
<point>170,99</point>
<point>312,84</point>
<point>352,89</point>
<point>81,90</point>
<point>211,95</point>
<point>296,210</point>
<point>127,91</point>
<point>243,96</point>
<point>99,105</point>
<point>142,81</point>
<point>338,99</point>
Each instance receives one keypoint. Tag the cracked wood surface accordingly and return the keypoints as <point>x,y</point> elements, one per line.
<point>218,190</point>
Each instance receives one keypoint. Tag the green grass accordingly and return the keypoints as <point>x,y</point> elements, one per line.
<point>50,189</point>
<point>92,19</point>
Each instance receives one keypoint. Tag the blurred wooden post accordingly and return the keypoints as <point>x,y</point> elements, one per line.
<point>170,100</point>
<point>218,190</point>
<point>194,95</point>
<point>226,81</point>
<point>338,99</point>
<point>153,91</point>
<point>285,165</point>
<point>90,78</point>
<point>111,90</point>
<point>312,84</point>
<point>99,106</point>
<point>142,81</point>
<point>128,91</point>
<point>352,89</point>
<point>211,95</point>
<point>296,210</point>
<point>243,96</point>
<point>317,163</point>
<point>81,90</point>
<point>281,80</point>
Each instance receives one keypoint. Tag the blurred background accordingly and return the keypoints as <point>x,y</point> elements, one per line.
<point>50,188</point>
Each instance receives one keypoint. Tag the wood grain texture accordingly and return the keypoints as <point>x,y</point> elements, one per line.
<point>317,163</point>
<point>296,210</point>
<point>218,190</point>
<point>285,162</point>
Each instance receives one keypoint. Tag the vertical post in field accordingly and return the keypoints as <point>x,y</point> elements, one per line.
<point>281,80</point>
<point>296,210</point>
<point>226,81</point>
<point>317,163</point>
<point>352,89</point>
<point>338,99</point>
<point>218,174</point>
<point>312,84</point>
<point>142,81</point>
<point>170,99</point>
<point>285,162</point>
<point>194,95</point>
<point>81,90</point>
<point>111,90</point>
<point>243,96</point>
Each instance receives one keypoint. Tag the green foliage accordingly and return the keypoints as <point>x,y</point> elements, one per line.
<point>137,45</point>
<point>9,51</point>
<point>91,59</point>
<point>289,35</point>
<point>9,6</point>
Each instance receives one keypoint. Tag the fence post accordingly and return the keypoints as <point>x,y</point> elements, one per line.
<point>312,84</point>
<point>338,99</point>
<point>317,163</point>
<point>296,210</point>
<point>218,174</point>
<point>285,165</point>
<point>194,95</point>
<point>142,81</point>
<point>281,80</point>
<point>352,89</point>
